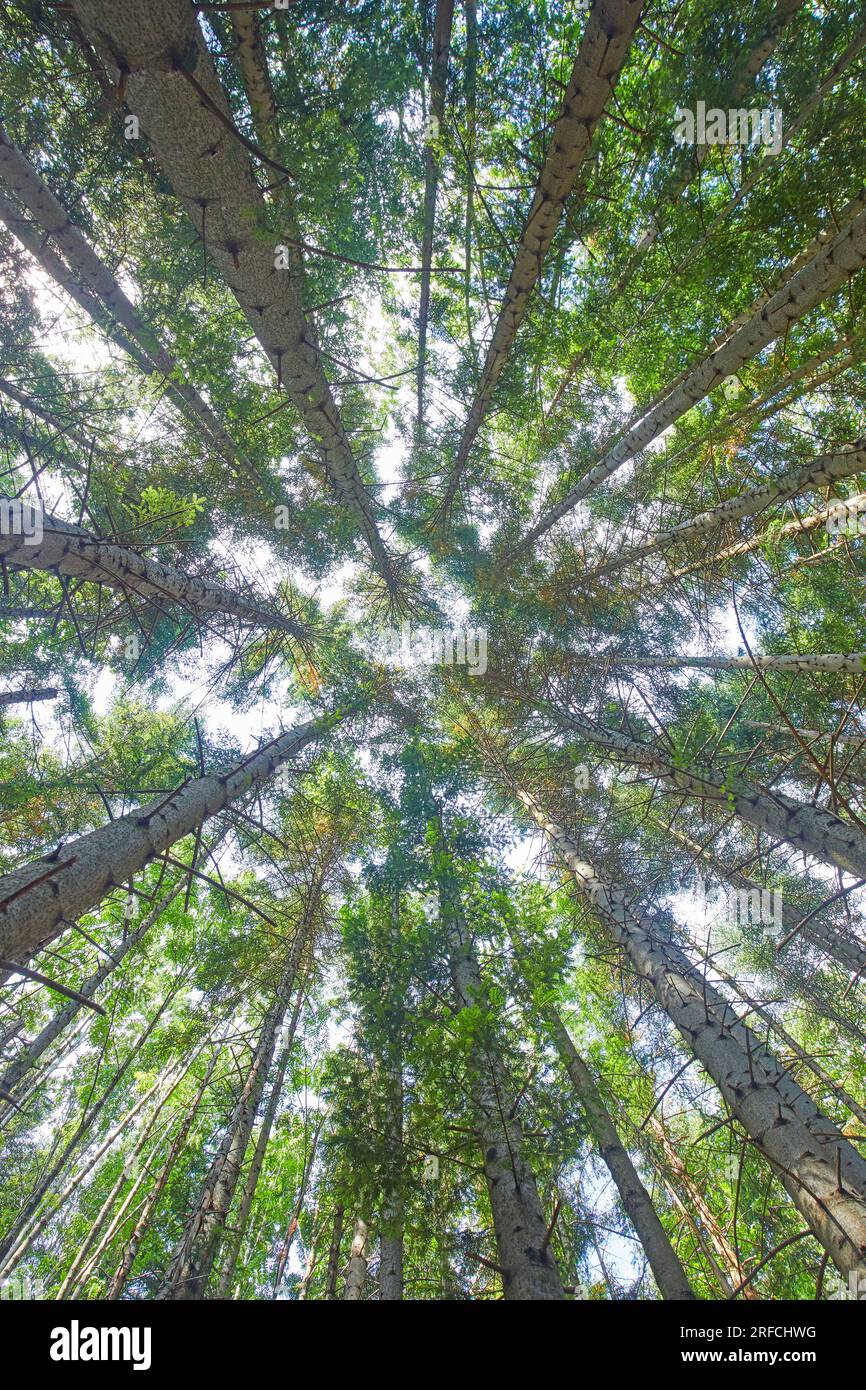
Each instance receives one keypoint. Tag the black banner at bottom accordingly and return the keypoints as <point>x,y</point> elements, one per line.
<point>60,1340</point>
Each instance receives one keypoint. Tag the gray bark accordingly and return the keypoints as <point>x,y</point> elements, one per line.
<point>637,1203</point>
<point>826,273</point>
<point>821,472</point>
<point>211,175</point>
<point>24,181</point>
<point>356,1270</point>
<point>604,48</point>
<point>820,1169</point>
<point>190,1270</point>
<point>37,900</point>
<point>68,549</point>
<point>528,1269</point>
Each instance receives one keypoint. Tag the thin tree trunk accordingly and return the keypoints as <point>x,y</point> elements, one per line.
<point>190,1270</point>
<point>299,1206</point>
<point>820,1169</point>
<point>821,472</point>
<point>356,1270</point>
<point>438,79</point>
<point>522,1240</point>
<point>664,1262</point>
<point>10,1253</point>
<point>853,505</point>
<point>334,1254</point>
<point>24,181</point>
<point>603,50</point>
<point>707,1225</point>
<point>826,273</point>
<point>249,1192</point>
<point>183,110</point>
<point>838,945</point>
<point>53,265</point>
<point>36,902</point>
<point>827,661</point>
<point>124,1269</point>
<point>67,549</point>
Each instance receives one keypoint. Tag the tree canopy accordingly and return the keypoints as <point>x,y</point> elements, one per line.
<point>433,664</point>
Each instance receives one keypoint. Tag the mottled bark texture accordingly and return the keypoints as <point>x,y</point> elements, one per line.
<point>157,50</point>
<point>821,1170</point>
<point>603,50</point>
<point>807,661</point>
<point>98,283</point>
<point>826,273</point>
<point>39,900</point>
<point>803,827</point>
<point>67,549</point>
<point>821,472</point>
<point>356,1270</point>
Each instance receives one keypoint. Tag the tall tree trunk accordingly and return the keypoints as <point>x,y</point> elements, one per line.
<point>853,505</point>
<point>124,1269</point>
<point>252,1180</point>
<point>24,181</point>
<point>826,273</point>
<point>67,549</point>
<point>356,1270</point>
<point>807,661</point>
<point>391,1234</point>
<point>702,1217</point>
<point>522,1241</point>
<point>803,827</point>
<point>821,1170</point>
<point>36,902</point>
<point>334,1254</point>
<point>470,93</point>
<point>837,944</point>
<point>28,697</point>
<point>438,80</point>
<point>180,106</point>
<point>10,1253</point>
<point>190,1270</point>
<point>603,50</point>
<point>664,1262</point>
<point>821,472</point>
